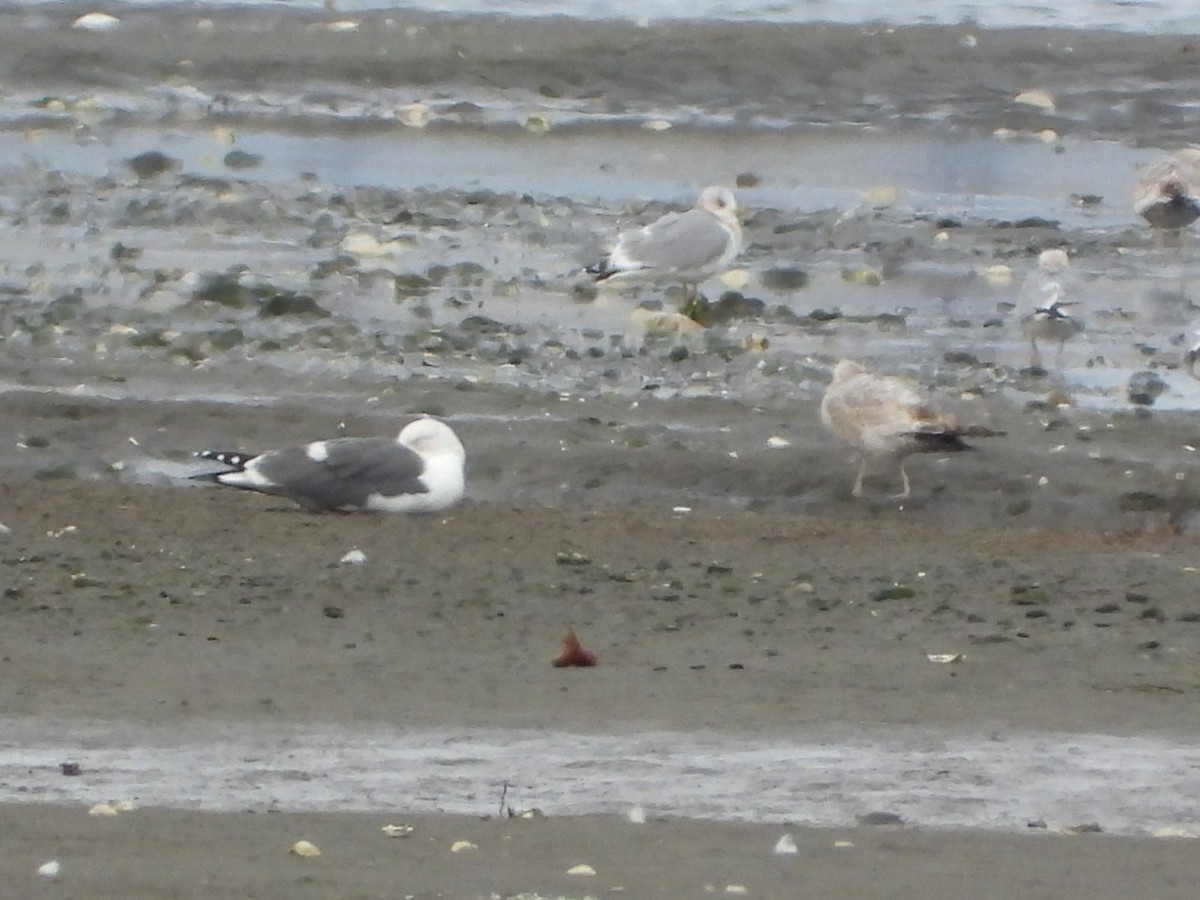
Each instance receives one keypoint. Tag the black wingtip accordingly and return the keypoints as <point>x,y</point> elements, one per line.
<point>940,441</point>
<point>600,271</point>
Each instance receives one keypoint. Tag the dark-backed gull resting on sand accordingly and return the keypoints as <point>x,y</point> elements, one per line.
<point>420,470</point>
<point>884,417</point>
<point>688,247</point>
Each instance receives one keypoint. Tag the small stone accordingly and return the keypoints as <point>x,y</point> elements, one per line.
<point>880,818</point>
<point>71,768</point>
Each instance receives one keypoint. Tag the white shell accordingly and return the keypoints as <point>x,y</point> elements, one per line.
<point>786,845</point>
<point>49,869</point>
<point>460,846</point>
<point>102,810</point>
<point>353,557</point>
<point>581,869</point>
<point>96,21</point>
<point>1039,98</point>
<point>775,442</point>
<point>305,848</point>
<point>397,831</point>
<point>637,816</point>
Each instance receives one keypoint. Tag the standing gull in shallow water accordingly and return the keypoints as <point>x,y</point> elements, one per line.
<point>1167,194</point>
<point>420,470</point>
<point>687,247</point>
<point>884,417</point>
<point>1042,307</point>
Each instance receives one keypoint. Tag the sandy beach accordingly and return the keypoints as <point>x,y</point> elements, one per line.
<point>216,239</point>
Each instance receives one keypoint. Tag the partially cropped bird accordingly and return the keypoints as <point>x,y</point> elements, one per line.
<point>1167,195</point>
<point>885,417</point>
<point>687,247</point>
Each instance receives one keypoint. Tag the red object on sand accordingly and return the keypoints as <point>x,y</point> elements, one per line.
<point>573,654</point>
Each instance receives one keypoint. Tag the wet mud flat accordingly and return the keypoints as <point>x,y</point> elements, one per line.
<point>161,295</point>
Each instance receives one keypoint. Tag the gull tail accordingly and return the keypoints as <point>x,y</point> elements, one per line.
<point>939,441</point>
<point>235,459</point>
<point>603,270</point>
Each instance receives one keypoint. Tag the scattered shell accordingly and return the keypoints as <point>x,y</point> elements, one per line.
<point>397,831</point>
<point>681,509</point>
<point>96,21</point>
<point>581,869</point>
<point>664,324</point>
<point>656,125</point>
<point>414,115</point>
<point>1171,832</point>
<point>362,244</point>
<point>735,889</point>
<point>637,815</point>
<point>49,869</point>
<point>1041,99</point>
<point>863,275</point>
<point>538,123</point>
<point>786,845</point>
<point>305,849</point>
<point>124,806</point>
<point>998,275</point>
<point>735,279</point>
<point>342,25</point>
<point>353,557</point>
<point>841,845</point>
<point>968,41</point>
<point>101,810</point>
<point>460,846</point>
<point>1047,136</point>
<point>883,195</point>
<point>775,442</point>
<point>945,657</point>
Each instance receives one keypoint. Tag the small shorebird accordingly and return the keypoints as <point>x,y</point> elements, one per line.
<point>884,417</point>
<point>1045,295</point>
<point>1167,194</point>
<point>420,470</point>
<point>687,247</point>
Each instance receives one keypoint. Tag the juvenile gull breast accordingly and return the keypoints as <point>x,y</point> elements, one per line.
<point>884,417</point>
<point>687,247</point>
<point>420,470</point>
<point>1167,195</point>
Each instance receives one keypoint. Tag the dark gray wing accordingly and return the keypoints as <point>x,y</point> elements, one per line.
<point>353,470</point>
<point>676,243</point>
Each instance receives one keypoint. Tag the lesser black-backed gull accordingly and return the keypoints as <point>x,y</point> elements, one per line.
<point>420,470</point>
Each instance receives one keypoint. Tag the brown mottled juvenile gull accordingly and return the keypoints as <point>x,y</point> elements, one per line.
<point>884,417</point>
<point>420,470</point>
<point>687,247</point>
<point>1167,194</point>
<point>1042,307</point>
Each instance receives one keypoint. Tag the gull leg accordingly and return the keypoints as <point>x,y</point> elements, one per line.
<point>904,491</point>
<point>862,470</point>
<point>1035,356</point>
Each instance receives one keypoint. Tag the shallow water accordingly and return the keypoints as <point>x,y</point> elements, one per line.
<point>1128,785</point>
<point>1154,16</point>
